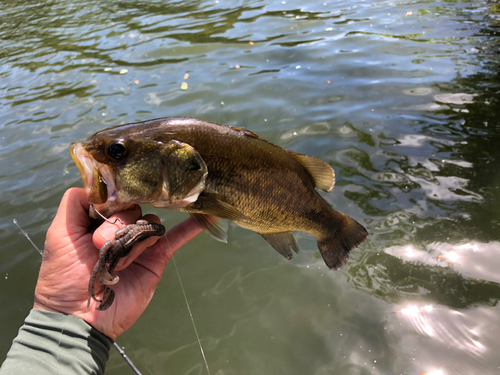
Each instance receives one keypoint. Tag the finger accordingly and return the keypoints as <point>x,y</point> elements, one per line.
<point>73,213</point>
<point>107,230</point>
<point>139,247</point>
<point>176,237</point>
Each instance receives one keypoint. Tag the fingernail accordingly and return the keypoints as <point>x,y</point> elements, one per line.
<point>121,262</point>
<point>108,233</point>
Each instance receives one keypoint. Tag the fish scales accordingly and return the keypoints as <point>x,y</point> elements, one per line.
<point>260,182</point>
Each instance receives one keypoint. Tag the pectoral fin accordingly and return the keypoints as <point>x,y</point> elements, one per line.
<point>215,207</point>
<point>214,226</point>
<point>282,243</point>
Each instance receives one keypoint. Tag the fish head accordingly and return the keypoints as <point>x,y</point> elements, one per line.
<point>119,171</point>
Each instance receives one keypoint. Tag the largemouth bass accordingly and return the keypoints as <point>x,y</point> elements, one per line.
<point>215,172</point>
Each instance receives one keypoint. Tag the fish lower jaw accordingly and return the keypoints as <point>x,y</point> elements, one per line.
<point>118,202</point>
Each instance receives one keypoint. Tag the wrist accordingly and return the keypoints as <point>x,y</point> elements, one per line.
<point>40,306</point>
<point>88,318</point>
<point>51,303</point>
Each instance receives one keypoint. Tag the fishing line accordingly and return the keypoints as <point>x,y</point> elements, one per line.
<point>28,237</point>
<point>189,309</point>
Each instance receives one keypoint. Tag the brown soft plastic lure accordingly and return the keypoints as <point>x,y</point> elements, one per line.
<point>110,254</point>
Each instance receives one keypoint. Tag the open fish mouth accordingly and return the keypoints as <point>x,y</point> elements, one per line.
<point>98,179</point>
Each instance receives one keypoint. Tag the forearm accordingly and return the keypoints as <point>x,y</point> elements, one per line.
<point>53,343</point>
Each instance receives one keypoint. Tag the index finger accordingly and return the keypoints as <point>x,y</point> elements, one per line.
<point>139,247</point>
<point>107,229</point>
<point>178,236</point>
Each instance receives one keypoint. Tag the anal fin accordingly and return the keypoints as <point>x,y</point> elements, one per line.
<point>282,243</point>
<point>214,226</point>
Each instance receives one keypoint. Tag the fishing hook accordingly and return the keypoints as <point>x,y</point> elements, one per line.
<point>105,219</point>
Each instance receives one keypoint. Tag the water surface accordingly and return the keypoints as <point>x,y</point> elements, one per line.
<point>400,98</point>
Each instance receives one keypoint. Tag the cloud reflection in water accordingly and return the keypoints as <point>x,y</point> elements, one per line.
<point>464,340</point>
<point>473,259</point>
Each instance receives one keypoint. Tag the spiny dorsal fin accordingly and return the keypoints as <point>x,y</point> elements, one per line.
<point>323,175</point>
<point>282,242</point>
<point>245,131</point>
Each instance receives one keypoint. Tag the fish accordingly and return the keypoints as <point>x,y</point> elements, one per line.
<point>217,173</point>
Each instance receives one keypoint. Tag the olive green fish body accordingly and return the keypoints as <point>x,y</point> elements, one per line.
<point>248,180</point>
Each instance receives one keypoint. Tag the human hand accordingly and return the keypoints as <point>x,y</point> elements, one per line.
<point>71,253</point>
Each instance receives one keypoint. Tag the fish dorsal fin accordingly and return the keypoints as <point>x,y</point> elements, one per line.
<point>214,226</point>
<point>322,174</point>
<point>282,242</point>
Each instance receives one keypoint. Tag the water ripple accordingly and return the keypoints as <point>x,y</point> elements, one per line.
<point>399,98</point>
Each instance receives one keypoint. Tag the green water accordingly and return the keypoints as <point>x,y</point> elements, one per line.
<point>400,98</point>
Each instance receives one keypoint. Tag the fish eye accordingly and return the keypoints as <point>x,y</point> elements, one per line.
<point>117,151</point>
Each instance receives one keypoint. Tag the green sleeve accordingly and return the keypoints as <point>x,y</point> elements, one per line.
<point>53,344</point>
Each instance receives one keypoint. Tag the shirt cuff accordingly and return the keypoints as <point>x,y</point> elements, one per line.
<point>54,343</point>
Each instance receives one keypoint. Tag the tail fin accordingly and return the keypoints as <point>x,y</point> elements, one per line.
<point>335,249</point>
